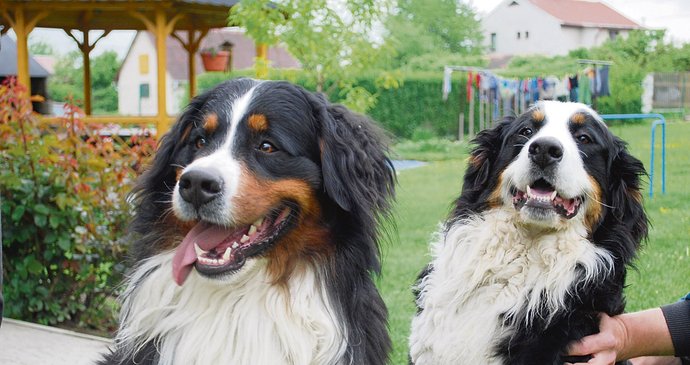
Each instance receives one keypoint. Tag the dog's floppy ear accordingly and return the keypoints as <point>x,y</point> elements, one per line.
<point>626,173</point>
<point>483,160</point>
<point>357,174</point>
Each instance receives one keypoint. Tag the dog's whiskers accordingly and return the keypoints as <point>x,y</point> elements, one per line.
<point>598,202</point>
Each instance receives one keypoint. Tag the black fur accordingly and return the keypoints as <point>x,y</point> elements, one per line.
<point>620,230</point>
<point>342,155</point>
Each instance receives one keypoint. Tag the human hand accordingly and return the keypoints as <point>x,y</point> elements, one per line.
<point>605,347</point>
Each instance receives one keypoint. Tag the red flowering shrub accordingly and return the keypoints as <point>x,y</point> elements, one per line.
<point>64,211</point>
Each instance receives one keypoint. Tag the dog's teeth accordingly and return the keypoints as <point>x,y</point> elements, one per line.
<point>258,222</point>
<point>529,191</point>
<point>252,230</point>
<point>244,238</point>
<point>226,255</point>
<point>235,245</point>
<point>198,250</point>
<point>553,195</point>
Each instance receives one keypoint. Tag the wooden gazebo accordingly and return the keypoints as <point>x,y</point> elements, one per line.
<point>160,17</point>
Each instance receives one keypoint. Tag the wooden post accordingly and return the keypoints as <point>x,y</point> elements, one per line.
<point>191,45</point>
<point>162,54</point>
<point>86,47</point>
<point>261,60</point>
<point>20,29</point>
<point>191,63</point>
<point>85,51</point>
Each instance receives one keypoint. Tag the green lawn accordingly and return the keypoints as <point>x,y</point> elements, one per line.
<point>425,196</point>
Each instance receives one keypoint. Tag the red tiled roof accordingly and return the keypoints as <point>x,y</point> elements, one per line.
<point>585,13</point>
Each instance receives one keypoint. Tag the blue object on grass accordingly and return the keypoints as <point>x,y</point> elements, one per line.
<point>659,120</point>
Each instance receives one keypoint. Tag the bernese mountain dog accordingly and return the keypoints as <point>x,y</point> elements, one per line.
<point>256,235</point>
<point>537,245</point>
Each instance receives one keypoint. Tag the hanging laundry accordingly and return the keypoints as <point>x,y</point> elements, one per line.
<point>507,91</point>
<point>592,76</point>
<point>573,87</point>
<point>534,90</point>
<point>585,91</point>
<point>561,89</point>
<point>548,88</point>
<point>447,87</point>
<point>603,84</point>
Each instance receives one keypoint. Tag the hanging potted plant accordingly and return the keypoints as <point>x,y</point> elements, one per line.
<point>214,59</point>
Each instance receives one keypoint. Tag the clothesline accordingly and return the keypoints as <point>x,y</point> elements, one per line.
<point>498,96</point>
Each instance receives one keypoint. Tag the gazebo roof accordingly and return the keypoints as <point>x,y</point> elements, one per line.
<point>115,14</point>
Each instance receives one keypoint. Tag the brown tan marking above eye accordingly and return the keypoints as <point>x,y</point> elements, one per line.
<point>538,116</point>
<point>211,123</point>
<point>258,122</point>
<point>578,118</point>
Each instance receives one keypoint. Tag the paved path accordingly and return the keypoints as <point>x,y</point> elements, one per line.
<point>23,343</point>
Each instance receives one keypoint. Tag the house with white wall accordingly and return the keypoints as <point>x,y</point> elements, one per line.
<point>551,27</point>
<point>137,77</point>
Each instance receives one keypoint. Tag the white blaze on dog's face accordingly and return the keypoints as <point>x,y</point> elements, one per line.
<point>557,174</point>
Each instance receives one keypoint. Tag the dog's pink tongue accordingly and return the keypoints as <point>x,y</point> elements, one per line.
<point>207,236</point>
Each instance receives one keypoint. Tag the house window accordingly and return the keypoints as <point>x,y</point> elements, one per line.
<point>143,64</point>
<point>613,34</point>
<point>493,42</point>
<point>518,35</point>
<point>144,90</point>
<point>526,34</point>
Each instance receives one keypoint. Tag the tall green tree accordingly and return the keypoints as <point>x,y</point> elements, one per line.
<point>41,48</point>
<point>421,27</point>
<point>68,80</point>
<point>334,42</point>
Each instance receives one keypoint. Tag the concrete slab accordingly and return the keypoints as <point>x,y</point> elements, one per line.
<point>23,343</point>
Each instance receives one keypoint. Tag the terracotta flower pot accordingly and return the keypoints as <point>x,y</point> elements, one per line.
<point>215,61</point>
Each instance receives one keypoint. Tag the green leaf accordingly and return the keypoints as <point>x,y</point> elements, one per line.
<point>41,209</point>
<point>18,213</point>
<point>65,243</point>
<point>55,221</point>
<point>40,220</point>
<point>33,265</point>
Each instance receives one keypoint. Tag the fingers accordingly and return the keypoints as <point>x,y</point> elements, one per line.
<point>601,358</point>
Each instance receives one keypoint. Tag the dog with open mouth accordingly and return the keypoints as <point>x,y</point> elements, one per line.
<point>256,235</point>
<point>549,216</point>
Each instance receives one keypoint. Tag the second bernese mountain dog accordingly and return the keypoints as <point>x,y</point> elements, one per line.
<point>256,235</point>
<point>549,216</point>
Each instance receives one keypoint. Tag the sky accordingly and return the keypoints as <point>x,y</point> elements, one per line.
<point>674,15</point>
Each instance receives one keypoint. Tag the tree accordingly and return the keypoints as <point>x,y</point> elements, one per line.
<point>421,27</point>
<point>41,48</point>
<point>333,42</point>
<point>68,80</point>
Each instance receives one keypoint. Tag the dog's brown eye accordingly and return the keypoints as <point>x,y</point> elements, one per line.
<point>526,132</point>
<point>584,139</point>
<point>267,147</point>
<point>200,142</point>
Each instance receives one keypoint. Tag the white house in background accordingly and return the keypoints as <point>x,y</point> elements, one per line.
<point>137,78</point>
<point>551,27</point>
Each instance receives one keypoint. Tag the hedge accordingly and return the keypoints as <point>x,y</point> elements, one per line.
<point>415,106</point>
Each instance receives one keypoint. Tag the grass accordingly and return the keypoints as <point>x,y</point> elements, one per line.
<point>425,196</point>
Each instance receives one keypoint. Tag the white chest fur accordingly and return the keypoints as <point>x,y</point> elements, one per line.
<point>488,266</point>
<point>247,322</point>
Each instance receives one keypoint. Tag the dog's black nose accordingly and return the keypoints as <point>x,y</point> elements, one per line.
<point>545,151</point>
<point>199,187</point>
